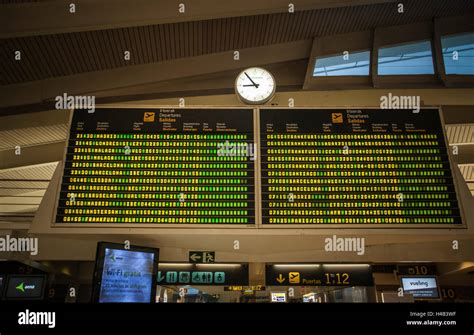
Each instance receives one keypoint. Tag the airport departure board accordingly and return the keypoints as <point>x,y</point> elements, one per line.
<point>159,166</point>
<point>355,167</point>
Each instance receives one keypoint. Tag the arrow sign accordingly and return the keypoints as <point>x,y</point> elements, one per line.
<point>20,287</point>
<point>202,256</point>
<point>160,277</point>
<point>280,279</point>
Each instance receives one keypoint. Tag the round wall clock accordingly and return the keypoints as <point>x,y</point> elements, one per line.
<point>255,86</point>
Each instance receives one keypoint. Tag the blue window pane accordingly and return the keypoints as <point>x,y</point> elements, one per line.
<point>458,54</point>
<point>406,59</point>
<point>351,64</point>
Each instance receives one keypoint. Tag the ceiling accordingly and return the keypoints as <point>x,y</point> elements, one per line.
<point>65,54</point>
<point>22,191</point>
<point>462,135</point>
<point>33,136</point>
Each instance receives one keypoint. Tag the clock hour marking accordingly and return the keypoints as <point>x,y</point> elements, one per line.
<point>255,85</point>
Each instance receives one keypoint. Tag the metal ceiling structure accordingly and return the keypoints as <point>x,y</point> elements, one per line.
<point>22,191</point>
<point>467,171</point>
<point>66,54</point>
<point>460,134</point>
<point>463,135</point>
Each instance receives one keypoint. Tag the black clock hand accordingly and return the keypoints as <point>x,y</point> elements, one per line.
<point>254,84</point>
<point>251,85</point>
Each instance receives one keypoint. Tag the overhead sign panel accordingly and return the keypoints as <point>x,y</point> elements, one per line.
<point>159,166</point>
<point>203,274</point>
<point>318,275</point>
<point>417,269</point>
<point>25,287</point>
<point>202,257</point>
<point>355,166</point>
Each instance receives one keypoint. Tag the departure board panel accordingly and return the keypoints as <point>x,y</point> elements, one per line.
<point>356,167</point>
<point>159,166</point>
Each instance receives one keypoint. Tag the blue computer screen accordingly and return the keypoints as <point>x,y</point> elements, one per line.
<point>127,276</point>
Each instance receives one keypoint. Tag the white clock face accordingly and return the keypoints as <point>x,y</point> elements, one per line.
<point>255,85</point>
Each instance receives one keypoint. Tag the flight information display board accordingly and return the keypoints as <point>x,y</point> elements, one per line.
<point>355,167</point>
<point>159,166</point>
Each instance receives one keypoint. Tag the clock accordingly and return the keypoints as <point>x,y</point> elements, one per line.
<point>255,86</point>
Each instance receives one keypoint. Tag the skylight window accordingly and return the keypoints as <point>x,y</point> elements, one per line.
<point>344,64</point>
<point>458,54</point>
<point>406,59</point>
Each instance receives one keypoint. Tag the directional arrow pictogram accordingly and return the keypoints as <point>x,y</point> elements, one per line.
<point>202,256</point>
<point>194,257</point>
<point>280,278</point>
<point>21,287</point>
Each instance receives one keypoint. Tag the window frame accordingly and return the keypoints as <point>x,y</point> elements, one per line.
<point>339,55</point>
<point>327,46</point>
<point>401,45</point>
<point>452,26</point>
<point>404,34</point>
